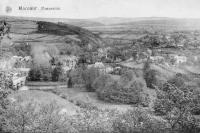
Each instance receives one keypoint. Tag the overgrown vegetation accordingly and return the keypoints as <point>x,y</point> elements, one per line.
<point>176,104</point>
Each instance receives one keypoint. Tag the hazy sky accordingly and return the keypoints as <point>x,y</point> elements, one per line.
<point>106,8</point>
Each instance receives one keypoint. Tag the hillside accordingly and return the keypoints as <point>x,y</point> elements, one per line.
<point>66,29</point>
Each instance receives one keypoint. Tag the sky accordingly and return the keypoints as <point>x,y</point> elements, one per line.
<point>104,8</point>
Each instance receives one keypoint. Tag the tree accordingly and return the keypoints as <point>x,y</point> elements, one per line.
<point>175,105</point>
<point>57,71</point>
<point>5,86</point>
<point>151,78</point>
<point>89,76</point>
<point>35,74</point>
<point>69,83</point>
<point>34,118</point>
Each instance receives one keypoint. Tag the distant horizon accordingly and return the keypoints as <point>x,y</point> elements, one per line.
<point>103,17</point>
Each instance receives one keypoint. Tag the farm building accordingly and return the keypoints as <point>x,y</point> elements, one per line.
<point>101,67</point>
<point>68,62</point>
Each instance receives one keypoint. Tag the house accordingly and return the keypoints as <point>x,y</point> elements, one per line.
<point>156,58</point>
<point>103,52</point>
<point>101,67</point>
<point>68,62</point>
<point>180,59</point>
<point>19,76</point>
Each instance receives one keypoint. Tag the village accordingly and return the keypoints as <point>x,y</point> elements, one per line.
<point>83,72</point>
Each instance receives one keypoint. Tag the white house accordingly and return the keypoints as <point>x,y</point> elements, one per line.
<point>180,59</point>
<point>156,58</point>
<point>100,66</point>
<point>68,62</point>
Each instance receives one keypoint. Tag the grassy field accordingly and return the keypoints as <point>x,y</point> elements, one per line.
<point>80,96</point>
<point>41,97</point>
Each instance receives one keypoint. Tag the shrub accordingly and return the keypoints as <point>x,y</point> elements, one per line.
<point>31,117</point>
<point>94,121</point>
<point>175,105</point>
<point>40,73</point>
<point>138,121</point>
<point>89,76</point>
<point>56,73</point>
<point>178,81</point>
<point>127,76</point>
<point>22,49</point>
<point>5,86</point>
<point>151,78</point>
<point>76,75</point>
<point>101,81</point>
<point>119,92</point>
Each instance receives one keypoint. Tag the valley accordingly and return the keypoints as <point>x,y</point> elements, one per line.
<point>104,66</point>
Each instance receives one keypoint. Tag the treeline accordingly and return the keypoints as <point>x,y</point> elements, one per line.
<point>45,73</point>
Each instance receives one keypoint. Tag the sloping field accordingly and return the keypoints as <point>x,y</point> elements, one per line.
<point>41,97</point>
<point>77,96</point>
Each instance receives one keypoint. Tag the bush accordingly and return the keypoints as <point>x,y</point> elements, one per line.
<point>151,79</point>
<point>31,117</point>
<point>40,73</point>
<point>178,81</point>
<point>22,49</point>
<point>138,121</point>
<point>5,88</point>
<point>56,73</point>
<point>176,105</point>
<point>89,76</point>
<point>119,92</point>
<point>101,81</point>
<point>94,121</point>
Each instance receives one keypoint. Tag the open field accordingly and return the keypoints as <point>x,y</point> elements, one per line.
<point>41,97</point>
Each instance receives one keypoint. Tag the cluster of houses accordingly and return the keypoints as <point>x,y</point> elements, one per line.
<point>102,67</point>
<point>68,62</point>
<point>21,62</point>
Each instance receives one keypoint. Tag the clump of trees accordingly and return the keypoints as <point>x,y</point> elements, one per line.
<point>151,76</point>
<point>89,76</point>
<point>22,49</point>
<point>129,89</point>
<point>177,104</point>
<point>45,73</point>
<point>138,121</point>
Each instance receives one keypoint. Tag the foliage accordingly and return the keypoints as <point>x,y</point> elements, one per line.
<point>45,73</point>
<point>151,78</point>
<point>76,75</point>
<point>31,117</point>
<point>138,121</point>
<point>94,121</point>
<point>57,71</point>
<point>123,91</point>
<point>89,76</point>
<point>40,73</point>
<point>100,82</point>
<point>5,86</point>
<point>23,49</point>
<point>175,104</point>
<point>178,81</point>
